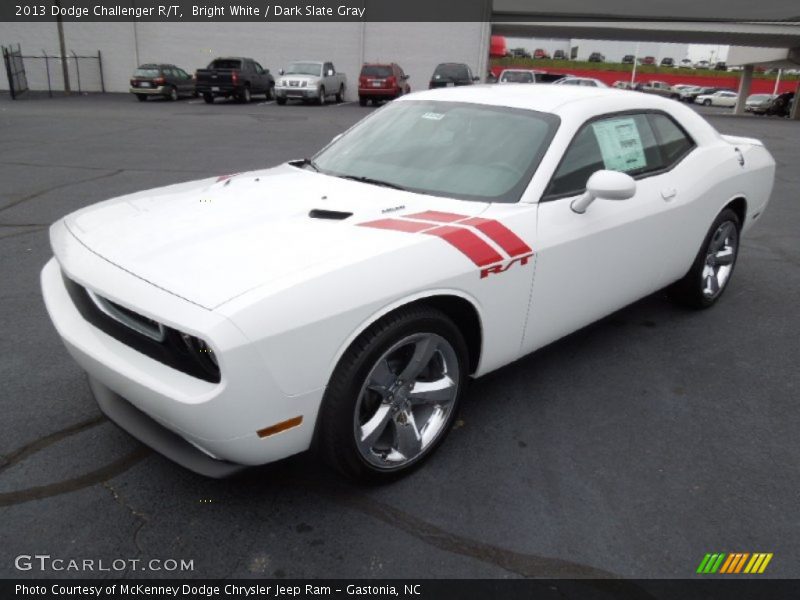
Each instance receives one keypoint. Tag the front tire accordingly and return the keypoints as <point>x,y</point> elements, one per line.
<point>706,102</point>
<point>393,396</point>
<point>321,99</point>
<point>713,267</point>
<point>280,101</point>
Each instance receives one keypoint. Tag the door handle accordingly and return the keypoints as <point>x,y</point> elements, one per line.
<point>669,194</point>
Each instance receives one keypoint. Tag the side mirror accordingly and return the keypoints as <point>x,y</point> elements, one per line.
<point>330,73</point>
<point>406,77</point>
<point>266,71</point>
<point>281,72</point>
<point>336,138</point>
<point>606,185</point>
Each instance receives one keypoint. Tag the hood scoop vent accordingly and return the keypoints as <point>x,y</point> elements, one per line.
<point>331,215</point>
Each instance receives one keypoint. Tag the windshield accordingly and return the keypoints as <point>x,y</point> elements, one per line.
<point>305,69</point>
<point>454,149</point>
<point>517,77</point>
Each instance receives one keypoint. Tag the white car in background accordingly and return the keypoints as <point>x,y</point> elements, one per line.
<point>517,76</point>
<point>344,301</point>
<point>727,99</point>
<point>582,81</point>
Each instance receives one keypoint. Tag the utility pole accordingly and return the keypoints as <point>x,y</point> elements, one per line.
<point>63,47</point>
<point>635,60</point>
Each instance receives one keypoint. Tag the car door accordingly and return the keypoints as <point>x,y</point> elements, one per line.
<point>590,264</point>
<point>184,81</point>
<point>263,77</point>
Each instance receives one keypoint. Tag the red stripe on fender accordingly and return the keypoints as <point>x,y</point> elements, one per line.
<point>500,234</point>
<point>435,215</point>
<point>397,225</point>
<point>468,243</point>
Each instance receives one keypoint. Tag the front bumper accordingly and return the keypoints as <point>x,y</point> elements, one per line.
<point>296,92</point>
<point>221,419</point>
<point>153,91</point>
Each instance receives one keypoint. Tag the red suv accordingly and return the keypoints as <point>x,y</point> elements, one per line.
<point>384,81</point>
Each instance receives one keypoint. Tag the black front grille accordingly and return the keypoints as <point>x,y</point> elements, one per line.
<point>172,351</point>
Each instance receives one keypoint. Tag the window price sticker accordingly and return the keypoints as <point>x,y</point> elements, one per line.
<point>620,144</point>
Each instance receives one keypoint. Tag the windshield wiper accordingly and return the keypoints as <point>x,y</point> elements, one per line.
<point>307,162</point>
<point>372,181</point>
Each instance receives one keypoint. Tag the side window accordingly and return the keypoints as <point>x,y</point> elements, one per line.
<point>673,141</point>
<point>259,68</point>
<point>329,67</point>
<point>620,143</point>
<point>181,74</point>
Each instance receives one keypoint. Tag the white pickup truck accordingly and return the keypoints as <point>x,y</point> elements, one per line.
<point>310,80</point>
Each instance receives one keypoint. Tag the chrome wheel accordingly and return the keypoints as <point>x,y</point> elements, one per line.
<point>406,400</point>
<point>720,258</point>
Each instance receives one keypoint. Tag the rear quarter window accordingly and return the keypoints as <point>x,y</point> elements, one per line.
<point>672,140</point>
<point>146,73</point>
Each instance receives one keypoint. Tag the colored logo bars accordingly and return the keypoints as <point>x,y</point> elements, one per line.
<point>736,562</point>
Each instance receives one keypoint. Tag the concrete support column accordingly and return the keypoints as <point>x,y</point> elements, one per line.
<point>744,89</point>
<point>795,114</point>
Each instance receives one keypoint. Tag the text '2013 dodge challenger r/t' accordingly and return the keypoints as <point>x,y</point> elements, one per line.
<point>344,301</point>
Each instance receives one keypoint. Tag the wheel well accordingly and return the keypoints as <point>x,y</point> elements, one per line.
<point>739,206</point>
<point>466,318</point>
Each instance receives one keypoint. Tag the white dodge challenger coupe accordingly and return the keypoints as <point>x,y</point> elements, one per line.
<point>343,302</point>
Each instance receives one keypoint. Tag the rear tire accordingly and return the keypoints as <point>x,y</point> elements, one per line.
<point>245,97</point>
<point>208,98</point>
<point>373,426</point>
<point>340,95</point>
<point>362,101</point>
<point>173,94</point>
<point>706,102</point>
<point>713,267</point>
<point>141,97</point>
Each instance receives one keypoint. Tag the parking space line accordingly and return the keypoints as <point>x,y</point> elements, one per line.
<point>343,103</point>
<point>267,102</point>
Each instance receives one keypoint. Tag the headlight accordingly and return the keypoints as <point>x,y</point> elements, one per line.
<point>303,83</point>
<point>281,82</point>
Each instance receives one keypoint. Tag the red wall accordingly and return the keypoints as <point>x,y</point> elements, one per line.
<point>759,86</point>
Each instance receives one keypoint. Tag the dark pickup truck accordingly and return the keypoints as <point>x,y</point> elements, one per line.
<point>239,78</point>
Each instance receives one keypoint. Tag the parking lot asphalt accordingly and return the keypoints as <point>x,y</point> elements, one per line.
<point>630,448</point>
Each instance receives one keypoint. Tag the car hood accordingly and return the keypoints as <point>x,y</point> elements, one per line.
<point>212,240</point>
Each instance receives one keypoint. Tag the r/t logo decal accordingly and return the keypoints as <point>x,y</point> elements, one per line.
<point>502,268</point>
